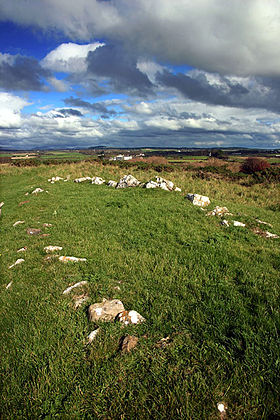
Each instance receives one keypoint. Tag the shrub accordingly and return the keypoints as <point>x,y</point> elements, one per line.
<point>252,165</point>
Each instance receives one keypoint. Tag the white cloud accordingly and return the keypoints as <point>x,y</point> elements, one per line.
<point>58,85</point>
<point>10,107</point>
<point>69,58</point>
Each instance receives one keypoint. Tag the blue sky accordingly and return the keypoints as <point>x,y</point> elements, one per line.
<point>144,73</point>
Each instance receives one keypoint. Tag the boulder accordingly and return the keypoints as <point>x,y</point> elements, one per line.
<point>198,200</point>
<point>236,223</point>
<point>151,184</point>
<point>97,180</point>
<point>164,184</point>
<point>219,211</point>
<point>83,179</point>
<point>107,310</point>
<point>112,184</point>
<point>130,317</point>
<point>128,181</point>
<point>52,248</point>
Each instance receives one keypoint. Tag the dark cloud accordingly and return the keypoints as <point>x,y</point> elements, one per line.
<point>23,73</point>
<point>263,92</point>
<point>113,63</point>
<point>97,107</point>
<point>70,112</point>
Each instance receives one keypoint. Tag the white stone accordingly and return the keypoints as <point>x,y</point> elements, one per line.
<point>97,180</point>
<point>83,179</point>
<point>9,284</point>
<point>264,223</point>
<point>128,181</point>
<point>22,249</point>
<point>219,211</point>
<point>73,259</point>
<point>225,223</point>
<point>112,184</point>
<point>52,248</point>
<point>130,317</point>
<point>271,235</point>
<point>93,335</point>
<point>151,184</point>
<point>177,189</point>
<point>164,183</point>
<point>37,190</point>
<point>221,408</point>
<point>236,223</point>
<point>19,222</point>
<point>19,261</point>
<point>198,200</point>
<point>68,290</point>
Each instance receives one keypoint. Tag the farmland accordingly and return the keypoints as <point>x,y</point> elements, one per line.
<point>213,290</point>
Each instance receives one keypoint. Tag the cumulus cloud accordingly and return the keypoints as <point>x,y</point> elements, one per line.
<point>69,57</point>
<point>21,73</point>
<point>10,108</point>
<point>96,108</point>
<point>234,37</point>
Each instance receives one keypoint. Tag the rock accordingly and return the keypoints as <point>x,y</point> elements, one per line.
<point>164,342</point>
<point>107,310</point>
<point>130,317</point>
<point>19,222</point>
<point>22,249</point>
<point>9,284</point>
<point>222,407</point>
<point>265,234</point>
<point>198,200</point>
<point>73,259</point>
<point>151,184</point>
<point>177,189</point>
<point>23,202</point>
<point>47,225</point>
<point>219,211</point>
<point>44,235</point>
<point>93,335</point>
<point>235,223</point>
<point>225,223</point>
<point>97,180</point>
<point>271,235</point>
<point>164,184</point>
<point>68,290</point>
<point>112,184</point>
<point>19,261</point>
<point>37,190</point>
<point>1,205</point>
<point>128,343</point>
<point>52,248</point>
<point>263,223</point>
<point>33,231</point>
<point>79,300</point>
<point>55,179</point>
<point>83,179</point>
<point>128,181</point>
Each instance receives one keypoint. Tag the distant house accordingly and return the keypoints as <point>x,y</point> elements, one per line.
<point>122,157</point>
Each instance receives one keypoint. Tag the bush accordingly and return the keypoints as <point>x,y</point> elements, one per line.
<point>252,165</point>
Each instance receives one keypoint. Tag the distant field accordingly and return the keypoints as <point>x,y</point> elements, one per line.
<point>214,291</point>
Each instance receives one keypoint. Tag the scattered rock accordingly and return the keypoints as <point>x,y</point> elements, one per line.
<point>44,235</point>
<point>37,190</point>
<point>263,223</point>
<point>73,259</point>
<point>22,249</point>
<point>222,407</point>
<point>93,335</point>
<point>27,193</point>
<point>19,261</point>
<point>9,284</point>
<point>83,179</point>
<point>19,222</point>
<point>225,223</point>
<point>52,248</point>
<point>68,290</point>
<point>159,182</point>
<point>97,180</point>
<point>264,234</point>
<point>33,231</point>
<point>236,223</point>
<point>128,343</point>
<point>55,179</point>
<point>151,184</point>
<point>107,310</point>
<point>112,184</point>
<point>117,288</point>
<point>47,225</point>
<point>164,342</point>
<point>130,317</point>
<point>198,200</point>
<point>23,202</point>
<point>79,300</point>
<point>128,181</point>
<point>177,189</point>
<point>219,211</point>
<point>271,235</point>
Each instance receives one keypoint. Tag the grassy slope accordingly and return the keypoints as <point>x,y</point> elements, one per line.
<point>214,291</point>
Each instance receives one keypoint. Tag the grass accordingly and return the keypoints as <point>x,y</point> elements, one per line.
<point>213,291</point>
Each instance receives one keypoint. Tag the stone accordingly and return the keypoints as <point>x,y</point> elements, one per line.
<point>97,180</point>
<point>225,223</point>
<point>33,231</point>
<point>23,202</point>
<point>236,223</point>
<point>79,300</point>
<point>37,190</point>
<point>112,184</point>
<point>128,181</point>
<point>83,179</point>
<point>19,261</point>
<point>151,184</point>
<point>130,317</point>
<point>52,248</point>
<point>164,184</point>
<point>68,290</point>
<point>163,342</point>
<point>24,249</point>
<point>93,335</point>
<point>107,310</point>
<point>177,189</point>
<point>63,258</point>
<point>265,234</point>
<point>198,200</point>
<point>219,211</point>
<point>47,225</point>
<point>9,284</point>
<point>128,343</point>
<point>55,179</point>
<point>1,205</point>
<point>263,223</point>
<point>19,222</point>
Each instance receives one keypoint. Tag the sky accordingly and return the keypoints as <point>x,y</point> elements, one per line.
<point>136,73</point>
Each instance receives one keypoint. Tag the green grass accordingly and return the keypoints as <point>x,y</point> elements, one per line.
<point>214,291</point>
